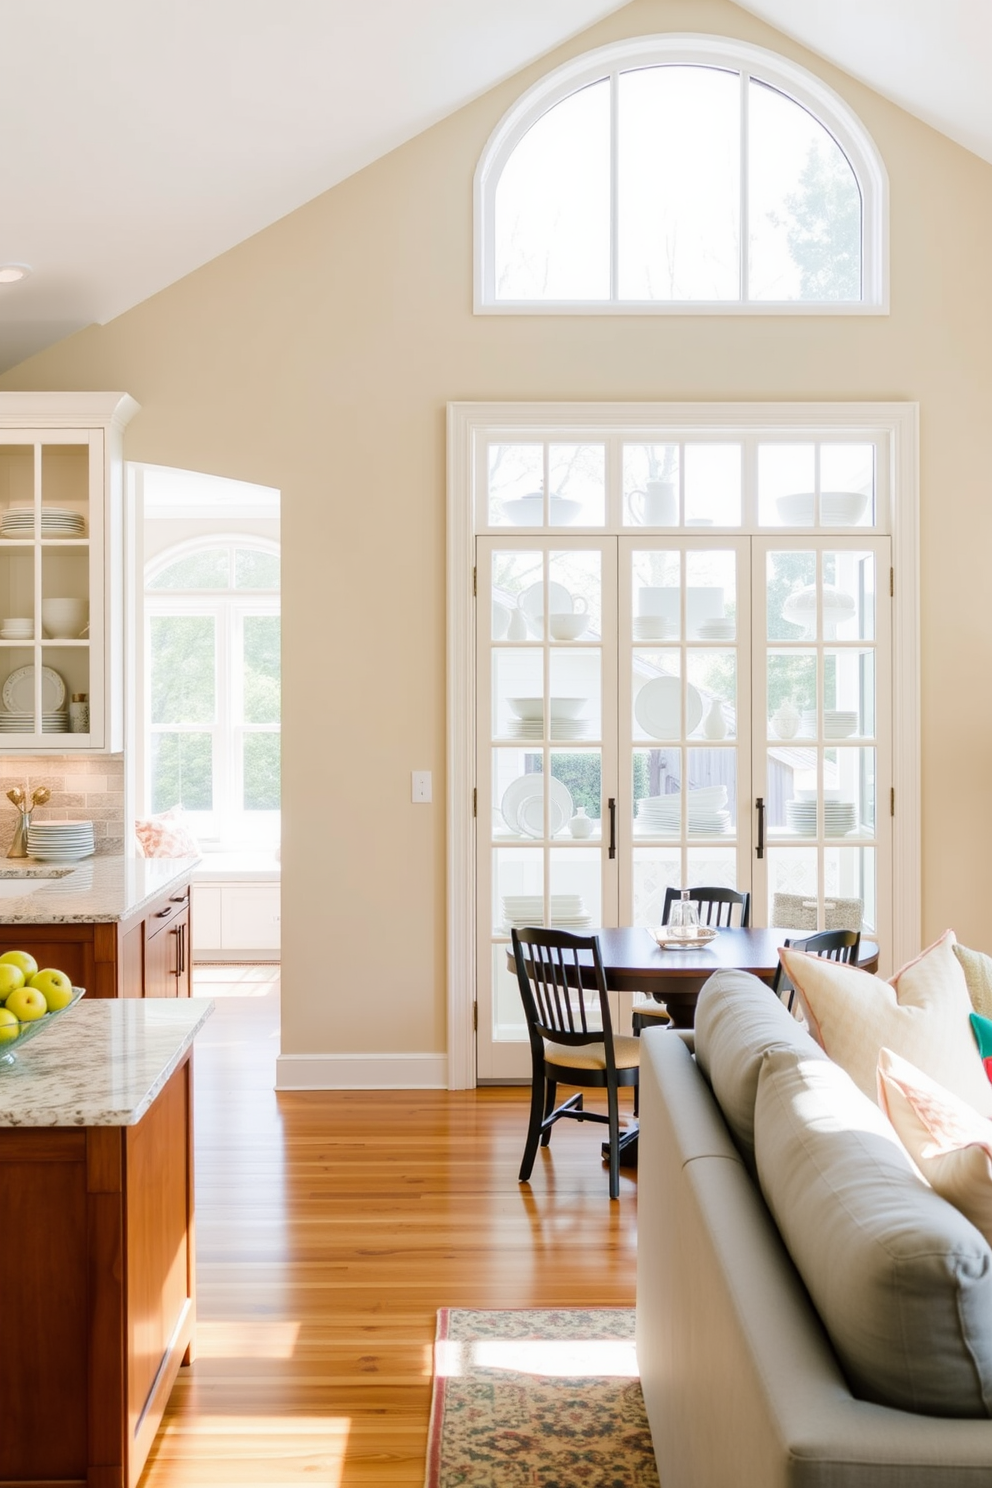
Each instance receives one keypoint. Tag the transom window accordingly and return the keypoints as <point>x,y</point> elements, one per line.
<point>681,173</point>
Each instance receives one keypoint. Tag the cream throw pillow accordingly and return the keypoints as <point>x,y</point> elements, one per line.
<point>948,1141</point>
<point>978,977</point>
<point>921,1014</point>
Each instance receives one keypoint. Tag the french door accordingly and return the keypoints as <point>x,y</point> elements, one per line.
<point>662,709</point>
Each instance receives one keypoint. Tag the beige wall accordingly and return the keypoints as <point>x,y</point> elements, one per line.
<point>318,357</point>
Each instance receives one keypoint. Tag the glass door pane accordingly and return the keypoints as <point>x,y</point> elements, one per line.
<point>823,770</point>
<point>684,623</point>
<point>546,663</point>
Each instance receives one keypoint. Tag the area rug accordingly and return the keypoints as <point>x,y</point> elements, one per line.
<point>543,1399</point>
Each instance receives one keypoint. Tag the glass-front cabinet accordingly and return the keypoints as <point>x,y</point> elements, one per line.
<point>683,651</point>
<point>61,571</point>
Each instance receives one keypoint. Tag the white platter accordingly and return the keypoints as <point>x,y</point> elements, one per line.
<point>18,690</point>
<point>658,708</point>
<point>525,788</point>
<point>703,937</point>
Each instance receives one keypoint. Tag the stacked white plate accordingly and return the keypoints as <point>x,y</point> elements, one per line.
<point>568,911</point>
<point>23,723</point>
<point>17,628</point>
<point>56,521</point>
<point>716,630</point>
<point>654,628</point>
<point>61,842</point>
<point>839,817</point>
<point>837,723</point>
<point>561,728</point>
<point>661,816</point>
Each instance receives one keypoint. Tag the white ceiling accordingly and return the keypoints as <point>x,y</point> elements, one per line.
<point>145,137</point>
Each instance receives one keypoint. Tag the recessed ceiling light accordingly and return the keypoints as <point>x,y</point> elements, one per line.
<point>11,273</point>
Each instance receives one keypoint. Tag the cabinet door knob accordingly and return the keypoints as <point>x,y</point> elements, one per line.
<point>160,914</point>
<point>177,898</point>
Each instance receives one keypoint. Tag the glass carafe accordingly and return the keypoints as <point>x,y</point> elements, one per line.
<point>683,919</point>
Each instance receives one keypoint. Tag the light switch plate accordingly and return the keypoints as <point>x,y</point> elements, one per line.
<point>421,787</point>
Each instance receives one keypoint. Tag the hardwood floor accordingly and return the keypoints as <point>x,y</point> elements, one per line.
<point>330,1229</point>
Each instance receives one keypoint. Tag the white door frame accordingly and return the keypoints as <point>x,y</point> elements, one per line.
<point>899,422</point>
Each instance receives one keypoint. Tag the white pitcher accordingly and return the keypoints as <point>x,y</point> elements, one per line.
<point>657,505</point>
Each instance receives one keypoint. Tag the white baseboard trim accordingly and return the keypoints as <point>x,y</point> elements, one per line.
<point>362,1072</point>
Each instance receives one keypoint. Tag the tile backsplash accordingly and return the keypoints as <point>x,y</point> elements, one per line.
<point>92,789</point>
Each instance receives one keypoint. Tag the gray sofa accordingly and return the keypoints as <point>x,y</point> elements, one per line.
<point>743,1387</point>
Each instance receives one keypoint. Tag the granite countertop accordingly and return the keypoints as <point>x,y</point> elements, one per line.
<point>97,890</point>
<point>102,1064</point>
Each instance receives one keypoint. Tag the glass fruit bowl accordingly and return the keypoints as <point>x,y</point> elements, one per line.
<point>14,1036</point>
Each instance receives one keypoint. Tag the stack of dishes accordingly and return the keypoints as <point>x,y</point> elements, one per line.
<point>716,630</point>
<point>568,911</point>
<point>56,521</point>
<point>565,722</point>
<point>839,723</point>
<point>23,723</point>
<point>61,842</point>
<point>661,816</point>
<point>17,628</point>
<point>837,508</point>
<point>654,628</point>
<point>839,817</point>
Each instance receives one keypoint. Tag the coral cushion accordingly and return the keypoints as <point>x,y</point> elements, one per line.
<point>921,1014</point>
<point>949,1142</point>
<point>166,836</point>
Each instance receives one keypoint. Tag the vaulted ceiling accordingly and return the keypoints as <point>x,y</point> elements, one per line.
<point>145,137</point>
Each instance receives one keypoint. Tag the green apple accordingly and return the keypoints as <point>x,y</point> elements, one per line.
<point>54,986</point>
<point>26,963</point>
<point>9,1027</point>
<point>11,977</point>
<point>27,1004</point>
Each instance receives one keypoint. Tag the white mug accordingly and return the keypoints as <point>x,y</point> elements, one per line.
<point>657,505</point>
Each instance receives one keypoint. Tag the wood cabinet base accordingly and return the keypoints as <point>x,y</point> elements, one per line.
<point>96,1292</point>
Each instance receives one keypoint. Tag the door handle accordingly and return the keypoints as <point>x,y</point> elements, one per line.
<point>612,805</point>
<point>760,806</point>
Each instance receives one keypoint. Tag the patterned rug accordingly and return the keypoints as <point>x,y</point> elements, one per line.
<point>546,1399</point>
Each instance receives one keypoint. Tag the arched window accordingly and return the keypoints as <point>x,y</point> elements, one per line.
<point>681,173</point>
<point>212,690</point>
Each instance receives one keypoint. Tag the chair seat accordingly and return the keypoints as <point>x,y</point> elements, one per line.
<point>593,1056</point>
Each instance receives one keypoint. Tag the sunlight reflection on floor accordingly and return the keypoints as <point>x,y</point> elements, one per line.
<point>569,1358</point>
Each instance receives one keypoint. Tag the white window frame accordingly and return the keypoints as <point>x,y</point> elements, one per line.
<point>226,825</point>
<point>686,49</point>
<point>897,422</point>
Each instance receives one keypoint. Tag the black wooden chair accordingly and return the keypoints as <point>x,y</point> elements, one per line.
<point>716,908</point>
<point>835,945</point>
<point>571,1038</point>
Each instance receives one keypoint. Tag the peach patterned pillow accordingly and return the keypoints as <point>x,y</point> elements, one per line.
<point>948,1141</point>
<point>167,836</point>
<point>921,1014</point>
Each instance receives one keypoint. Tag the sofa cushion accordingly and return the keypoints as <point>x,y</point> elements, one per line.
<point>948,1140</point>
<point>902,1282</point>
<point>977,968</point>
<point>738,1017</point>
<point>921,1014</point>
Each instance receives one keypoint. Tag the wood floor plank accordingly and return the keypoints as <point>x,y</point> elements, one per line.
<point>330,1229</point>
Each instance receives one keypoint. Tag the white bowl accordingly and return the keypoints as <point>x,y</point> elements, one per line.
<point>837,508</point>
<point>63,619</point>
<point>528,511</point>
<point>568,627</point>
<point>532,708</point>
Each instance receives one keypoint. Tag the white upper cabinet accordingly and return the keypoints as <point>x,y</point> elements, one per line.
<point>61,571</point>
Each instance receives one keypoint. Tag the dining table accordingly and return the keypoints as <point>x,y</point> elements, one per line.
<point>633,961</point>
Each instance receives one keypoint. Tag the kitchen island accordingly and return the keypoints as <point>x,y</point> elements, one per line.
<point>118,926</point>
<point>96,1207</point>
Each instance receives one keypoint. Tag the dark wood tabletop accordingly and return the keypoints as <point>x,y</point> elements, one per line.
<point>634,962</point>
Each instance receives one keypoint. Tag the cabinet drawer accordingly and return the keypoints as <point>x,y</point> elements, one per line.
<point>165,909</point>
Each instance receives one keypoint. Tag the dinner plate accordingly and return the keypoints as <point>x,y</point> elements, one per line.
<point>524,788</point>
<point>658,708</point>
<point>18,690</point>
<point>532,601</point>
